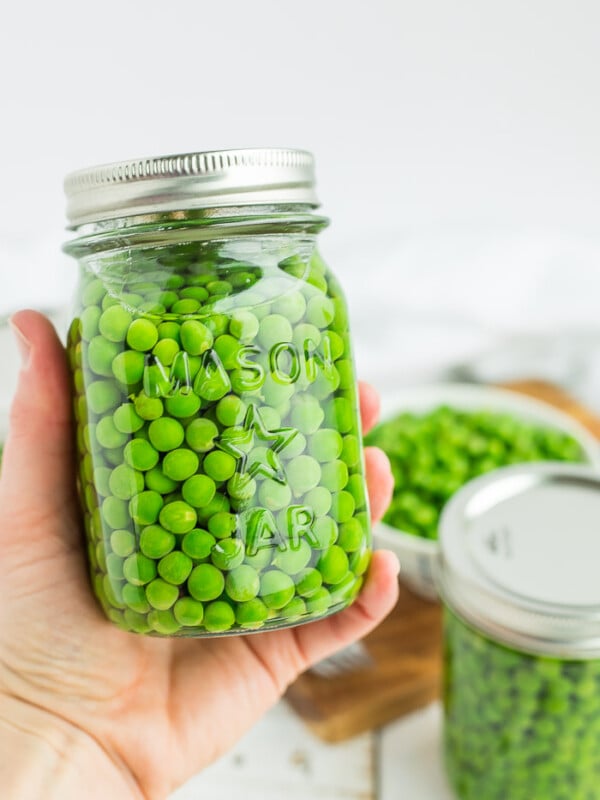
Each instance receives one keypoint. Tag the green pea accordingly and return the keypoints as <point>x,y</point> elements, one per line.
<point>319,602</point>
<point>178,517</point>
<point>230,410</point>
<point>242,583</point>
<point>294,610</point>
<point>324,531</point>
<point>107,434</point>
<point>142,335</point>
<point>292,306</point>
<point>188,612</point>
<point>198,544</point>
<point>101,354</point>
<point>157,481</point>
<point>200,435</point>
<point>303,474</point>
<point>175,567</point>
<point>308,582</point>
<point>319,500</point>
<point>276,588</point>
<point>145,507</point>
<point>243,325</point>
<point>161,595</point>
<point>241,487</point>
<point>114,323</point>
<point>218,617</point>
<point>351,535</point>
<point>274,329</point>
<point>325,444</point>
<point>198,490</point>
<point>320,311</point>
<point>274,495</point>
<point>227,554</point>
<point>148,408</point>
<point>184,403</point>
<point>122,543</point>
<point>139,570</point>
<point>90,319</point>
<point>180,464</point>
<point>134,598</point>
<point>125,482</point>
<point>293,560</point>
<point>165,351</point>
<point>196,338</point>
<point>139,454</point>
<point>350,450</point>
<point>114,512</point>
<point>169,330</point>
<point>219,466</point>
<point>334,475</point>
<point>126,419</point>
<point>251,614</point>
<point>166,434</point>
<point>128,367</point>
<point>114,566</point>
<point>102,396</point>
<point>205,583</point>
<point>307,414</point>
<point>156,542</point>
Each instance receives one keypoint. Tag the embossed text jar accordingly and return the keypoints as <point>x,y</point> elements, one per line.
<point>221,467</point>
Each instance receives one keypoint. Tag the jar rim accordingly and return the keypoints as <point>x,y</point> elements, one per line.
<point>491,573</point>
<point>202,179</point>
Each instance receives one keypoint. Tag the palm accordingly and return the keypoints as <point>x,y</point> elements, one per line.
<point>166,708</point>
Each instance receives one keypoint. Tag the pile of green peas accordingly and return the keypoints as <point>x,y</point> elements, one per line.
<point>217,424</point>
<point>519,726</point>
<point>434,454</point>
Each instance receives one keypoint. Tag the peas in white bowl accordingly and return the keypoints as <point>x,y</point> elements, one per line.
<point>439,437</point>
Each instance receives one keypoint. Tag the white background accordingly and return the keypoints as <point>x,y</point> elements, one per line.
<point>457,145</point>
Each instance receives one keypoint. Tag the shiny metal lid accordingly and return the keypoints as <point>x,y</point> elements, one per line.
<point>520,558</point>
<point>190,181</point>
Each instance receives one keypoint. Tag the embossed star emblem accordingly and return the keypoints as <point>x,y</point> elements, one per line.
<point>239,441</point>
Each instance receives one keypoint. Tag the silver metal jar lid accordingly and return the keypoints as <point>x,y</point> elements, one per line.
<point>520,558</point>
<point>189,181</point>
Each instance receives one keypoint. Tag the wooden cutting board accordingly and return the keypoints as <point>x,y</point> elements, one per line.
<point>406,666</point>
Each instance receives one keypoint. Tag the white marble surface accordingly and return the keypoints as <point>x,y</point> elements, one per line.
<point>281,758</point>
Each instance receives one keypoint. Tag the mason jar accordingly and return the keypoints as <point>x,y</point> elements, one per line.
<point>519,580</point>
<point>221,468</point>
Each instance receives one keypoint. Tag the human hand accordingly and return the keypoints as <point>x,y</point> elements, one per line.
<point>101,711</point>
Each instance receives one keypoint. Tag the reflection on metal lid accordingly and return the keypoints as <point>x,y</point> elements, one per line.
<point>520,550</point>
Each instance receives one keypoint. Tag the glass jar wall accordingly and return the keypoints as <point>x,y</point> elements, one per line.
<point>221,468</point>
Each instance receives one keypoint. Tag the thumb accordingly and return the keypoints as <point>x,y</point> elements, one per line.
<point>37,465</point>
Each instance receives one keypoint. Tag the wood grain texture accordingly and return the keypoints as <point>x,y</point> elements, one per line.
<point>404,675</point>
<point>405,648</point>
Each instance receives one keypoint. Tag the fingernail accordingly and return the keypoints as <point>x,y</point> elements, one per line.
<point>23,344</point>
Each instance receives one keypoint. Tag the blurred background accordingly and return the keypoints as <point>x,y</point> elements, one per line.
<point>456,144</point>
<point>458,157</point>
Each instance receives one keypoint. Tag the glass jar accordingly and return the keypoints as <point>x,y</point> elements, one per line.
<point>218,430</point>
<point>519,581</point>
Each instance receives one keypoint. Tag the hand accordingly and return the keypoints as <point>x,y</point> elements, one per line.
<point>142,715</point>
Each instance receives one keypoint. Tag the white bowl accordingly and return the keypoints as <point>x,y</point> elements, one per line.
<point>418,556</point>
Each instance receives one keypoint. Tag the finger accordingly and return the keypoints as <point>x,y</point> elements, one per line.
<point>369,405</point>
<point>380,483</point>
<point>379,595</point>
<point>37,462</point>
